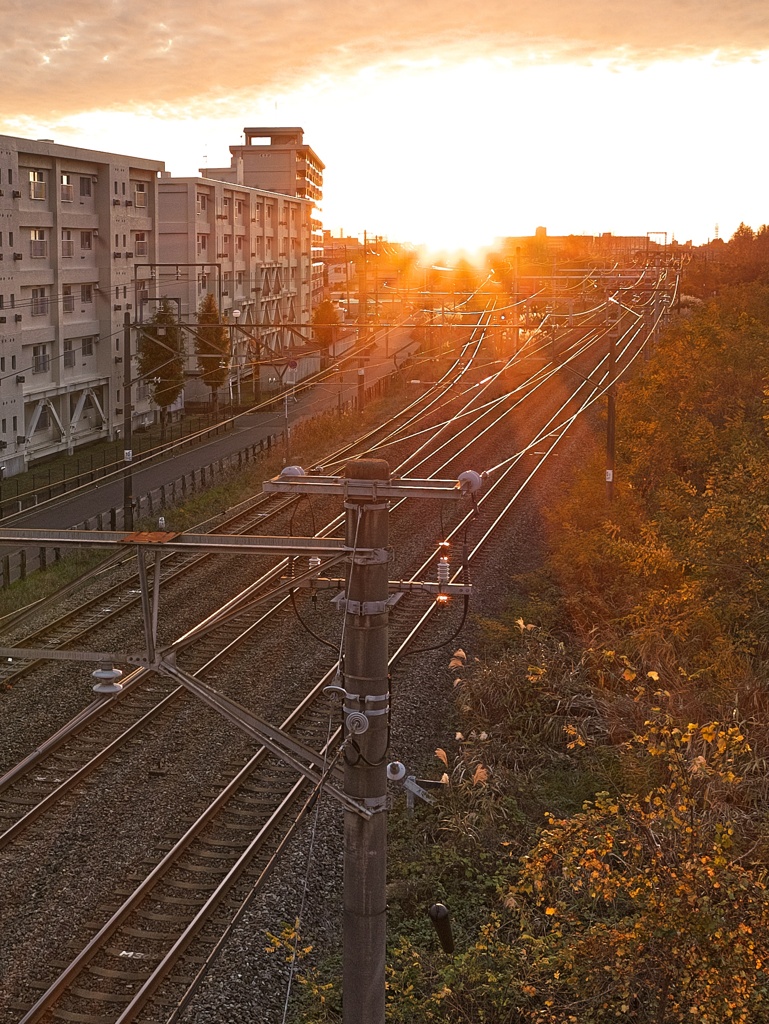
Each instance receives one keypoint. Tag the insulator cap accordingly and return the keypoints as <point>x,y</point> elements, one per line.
<point>470,481</point>
<point>288,471</point>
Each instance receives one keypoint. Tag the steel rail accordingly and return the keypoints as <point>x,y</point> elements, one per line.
<point>140,998</point>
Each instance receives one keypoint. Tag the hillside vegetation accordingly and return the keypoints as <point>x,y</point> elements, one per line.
<point>604,844</point>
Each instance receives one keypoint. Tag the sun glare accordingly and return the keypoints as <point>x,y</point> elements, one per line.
<point>453,156</point>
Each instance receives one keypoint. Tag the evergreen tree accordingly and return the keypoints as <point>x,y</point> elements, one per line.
<point>212,347</point>
<point>161,359</point>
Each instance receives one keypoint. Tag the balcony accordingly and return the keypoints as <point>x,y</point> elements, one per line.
<point>67,193</point>
<point>38,248</point>
<point>67,248</point>
<point>37,190</point>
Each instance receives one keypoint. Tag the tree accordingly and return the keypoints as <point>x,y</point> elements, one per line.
<point>324,319</point>
<point>161,359</point>
<point>212,347</point>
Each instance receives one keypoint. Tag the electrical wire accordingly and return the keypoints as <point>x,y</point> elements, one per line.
<point>306,886</point>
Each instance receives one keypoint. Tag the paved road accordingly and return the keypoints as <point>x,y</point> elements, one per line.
<point>390,346</point>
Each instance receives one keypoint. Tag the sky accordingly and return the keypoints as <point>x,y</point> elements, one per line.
<point>440,122</point>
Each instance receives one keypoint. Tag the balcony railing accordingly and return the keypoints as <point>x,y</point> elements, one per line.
<point>37,190</point>
<point>67,193</point>
<point>67,248</point>
<point>38,248</point>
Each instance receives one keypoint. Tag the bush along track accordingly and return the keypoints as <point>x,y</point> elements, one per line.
<point>604,842</point>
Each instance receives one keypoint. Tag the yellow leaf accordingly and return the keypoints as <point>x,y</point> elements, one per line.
<point>549,911</point>
<point>456,663</point>
<point>480,776</point>
<point>628,675</point>
<point>459,653</point>
<point>445,779</point>
<point>441,754</point>
<point>654,676</point>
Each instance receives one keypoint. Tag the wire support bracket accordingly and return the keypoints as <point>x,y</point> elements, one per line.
<point>343,604</point>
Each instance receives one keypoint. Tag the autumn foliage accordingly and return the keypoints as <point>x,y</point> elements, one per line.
<point>604,843</point>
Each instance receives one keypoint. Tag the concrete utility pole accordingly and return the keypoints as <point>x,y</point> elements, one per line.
<point>365,776</point>
<point>611,414</point>
<point>128,500</point>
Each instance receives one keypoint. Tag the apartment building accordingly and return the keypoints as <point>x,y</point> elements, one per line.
<point>278,160</point>
<point>249,247</point>
<point>75,226</point>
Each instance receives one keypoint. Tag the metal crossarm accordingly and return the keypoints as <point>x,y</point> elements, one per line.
<point>375,490</point>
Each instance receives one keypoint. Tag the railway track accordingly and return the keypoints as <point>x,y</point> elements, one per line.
<point>150,952</point>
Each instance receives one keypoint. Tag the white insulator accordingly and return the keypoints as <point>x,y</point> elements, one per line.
<point>356,722</point>
<point>396,771</point>
<point>314,561</point>
<point>107,679</point>
<point>470,481</point>
<point>292,471</point>
<point>444,570</point>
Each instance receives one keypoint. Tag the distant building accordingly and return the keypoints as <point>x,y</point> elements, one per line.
<point>74,226</point>
<point>251,249</point>
<point>278,160</point>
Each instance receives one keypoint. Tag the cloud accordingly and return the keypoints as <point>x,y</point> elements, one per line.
<point>57,59</point>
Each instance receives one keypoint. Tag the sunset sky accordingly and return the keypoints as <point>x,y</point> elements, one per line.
<point>439,121</point>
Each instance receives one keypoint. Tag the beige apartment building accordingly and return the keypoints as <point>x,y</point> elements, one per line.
<point>74,226</point>
<point>251,249</point>
<point>88,239</point>
<point>279,160</point>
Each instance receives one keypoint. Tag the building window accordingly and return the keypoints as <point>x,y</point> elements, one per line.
<point>239,207</point>
<point>67,244</point>
<point>239,243</point>
<point>86,293</point>
<point>85,188</point>
<point>44,419</point>
<point>67,299</point>
<point>69,354</point>
<point>67,189</point>
<point>86,346</point>
<point>86,239</point>
<point>40,359</point>
<point>203,282</point>
<point>39,302</point>
<point>226,241</point>
<point>38,243</point>
<point>202,202</point>
<point>140,194</point>
<point>37,185</point>
<point>202,245</point>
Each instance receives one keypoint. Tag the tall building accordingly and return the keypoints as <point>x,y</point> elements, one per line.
<point>278,160</point>
<point>247,246</point>
<point>75,226</point>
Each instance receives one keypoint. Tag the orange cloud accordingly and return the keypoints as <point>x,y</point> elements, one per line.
<point>57,60</point>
